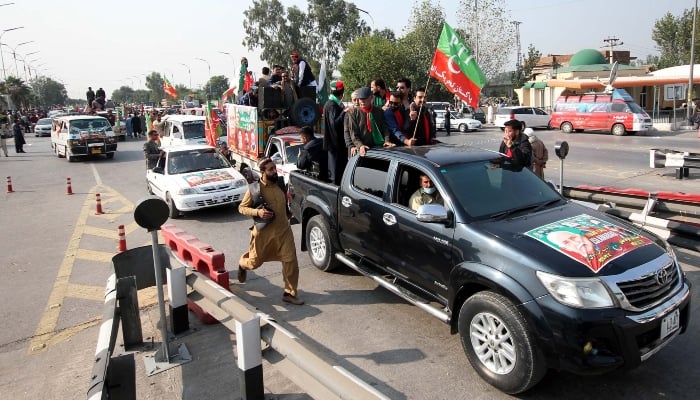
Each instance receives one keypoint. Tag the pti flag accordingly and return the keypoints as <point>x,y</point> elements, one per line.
<point>169,89</point>
<point>454,65</point>
<point>242,76</point>
<point>228,93</point>
<point>212,125</point>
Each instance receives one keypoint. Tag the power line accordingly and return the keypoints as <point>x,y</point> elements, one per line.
<point>612,43</point>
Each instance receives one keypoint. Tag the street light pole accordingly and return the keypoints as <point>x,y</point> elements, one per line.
<point>189,72</point>
<point>208,66</point>
<point>233,62</point>
<point>4,76</point>
<point>14,54</point>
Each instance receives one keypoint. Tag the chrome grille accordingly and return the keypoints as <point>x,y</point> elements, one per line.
<point>217,188</point>
<point>651,288</point>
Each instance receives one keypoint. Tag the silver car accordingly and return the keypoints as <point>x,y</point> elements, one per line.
<point>43,127</point>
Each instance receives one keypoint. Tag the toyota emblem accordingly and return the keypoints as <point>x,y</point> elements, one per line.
<point>662,276</point>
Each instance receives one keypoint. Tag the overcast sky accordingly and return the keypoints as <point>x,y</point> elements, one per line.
<point>113,43</point>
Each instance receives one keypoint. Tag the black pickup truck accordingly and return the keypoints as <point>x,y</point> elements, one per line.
<point>529,279</point>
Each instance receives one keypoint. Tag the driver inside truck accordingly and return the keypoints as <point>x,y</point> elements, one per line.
<point>427,193</point>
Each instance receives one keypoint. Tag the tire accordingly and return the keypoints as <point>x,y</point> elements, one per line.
<point>463,128</point>
<point>507,358</point>
<point>305,112</point>
<point>318,241</point>
<point>110,156</point>
<point>523,126</point>
<point>618,130</point>
<point>173,211</point>
<point>68,155</point>
<point>566,127</point>
<point>549,125</point>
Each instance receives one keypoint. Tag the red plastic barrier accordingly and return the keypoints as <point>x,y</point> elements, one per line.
<point>201,257</point>
<point>676,196</point>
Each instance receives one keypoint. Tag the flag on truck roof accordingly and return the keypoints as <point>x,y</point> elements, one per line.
<point>241,77</point>
<point>455,66</point>
<point>228,93</point>
<point>168,88</point>
<point>212,125</point>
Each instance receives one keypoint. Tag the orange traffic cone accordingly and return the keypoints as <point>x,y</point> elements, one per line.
<point>9,184</point>
<point>69,188</point>
<point>98,209</point>
<point>122,238</point>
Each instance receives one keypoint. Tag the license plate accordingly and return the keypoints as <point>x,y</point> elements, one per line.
<point>96,151</point>
<point>670,323</point>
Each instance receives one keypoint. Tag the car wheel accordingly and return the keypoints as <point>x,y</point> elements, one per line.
<point>110,155</point>
<point>566,127</point>
<point>69,157</point>
<point>618,130</point>
<point>305,111</point>
<point>463,128</point>
<point>549,125</point>
<point>174,212</point>
<point>318,241</point>
<point>499,344</point>
<point>523,125</point>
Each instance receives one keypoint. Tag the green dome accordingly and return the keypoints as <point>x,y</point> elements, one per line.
<point>587,57</point>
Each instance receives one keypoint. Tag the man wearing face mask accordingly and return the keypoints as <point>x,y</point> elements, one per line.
<point>426,194</point>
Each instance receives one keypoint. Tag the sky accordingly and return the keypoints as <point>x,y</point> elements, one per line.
<point>111,44</point>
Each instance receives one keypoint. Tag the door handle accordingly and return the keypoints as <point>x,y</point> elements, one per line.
<point>346,201</point>
<point>389,219</point>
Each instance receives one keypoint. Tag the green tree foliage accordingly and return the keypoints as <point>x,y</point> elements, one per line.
<point>673,36</point>
<point>361,62</point>
<point>218,84</point>
<point>524,72</point>
<point>320,35</point>
<point>154,82</point>
<point>49,92</point>
<point>124,94</point>
<point>20,93</point>
<point>418,46</point>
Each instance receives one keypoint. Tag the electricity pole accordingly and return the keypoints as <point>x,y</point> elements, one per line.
<point>612,43</point>
<point>692,64</point>
<point>517,43</point>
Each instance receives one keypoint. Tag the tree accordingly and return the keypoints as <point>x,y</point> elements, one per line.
<point>419,45</point>
<point>154,82</point>
<point>524,72</point>
<point>49,92</point>
<point>319,36</point>
<point>124,94</point>
<point>218,83</point>
<point>20,94</point>
<point>491,35</point>
<point>360,63</point>
<point>673,37</point>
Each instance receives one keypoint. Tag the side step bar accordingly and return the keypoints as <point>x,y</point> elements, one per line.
<point>415,300</point>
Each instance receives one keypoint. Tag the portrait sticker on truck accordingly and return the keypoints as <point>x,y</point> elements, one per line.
<point>203,177</point>
<point>588,240</point>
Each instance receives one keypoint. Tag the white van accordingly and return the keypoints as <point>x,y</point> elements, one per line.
<point>82,135</point>
<point>183,129</point>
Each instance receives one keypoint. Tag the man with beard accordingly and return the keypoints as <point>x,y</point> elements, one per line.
<point>271,237</point>
<point>366,124</point>
<point>396,119</point>
<point>312,157</point>
<point>381,95</point>
<point>422,125</point>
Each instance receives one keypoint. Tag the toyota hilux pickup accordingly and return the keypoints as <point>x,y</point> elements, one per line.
<point>528,279</point>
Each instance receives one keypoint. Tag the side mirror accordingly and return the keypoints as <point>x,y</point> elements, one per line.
<point>431,213</point>
<point>158,170</point>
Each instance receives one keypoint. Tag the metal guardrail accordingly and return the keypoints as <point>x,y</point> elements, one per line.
<point>323,380</point>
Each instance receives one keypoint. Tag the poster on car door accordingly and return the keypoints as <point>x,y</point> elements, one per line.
<point>241,129</point>
<point>588,240</point>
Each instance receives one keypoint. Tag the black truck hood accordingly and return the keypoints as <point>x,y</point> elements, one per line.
<point>572,240</point>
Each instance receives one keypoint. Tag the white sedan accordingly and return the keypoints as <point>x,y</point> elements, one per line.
<point>464,124</point>
<point>192,177</point>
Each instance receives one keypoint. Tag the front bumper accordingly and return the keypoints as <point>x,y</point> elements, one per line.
<point>93,149</point>
<point>600,341</point>
<point>191,202</point>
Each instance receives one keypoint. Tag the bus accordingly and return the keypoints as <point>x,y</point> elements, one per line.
<point>614,112</point>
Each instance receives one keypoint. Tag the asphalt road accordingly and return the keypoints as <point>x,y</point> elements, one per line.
<point>56,254</point>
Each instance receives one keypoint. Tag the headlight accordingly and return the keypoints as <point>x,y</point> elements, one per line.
<point>183,191</point>
<point>577,292</point>
<point>239,183</point>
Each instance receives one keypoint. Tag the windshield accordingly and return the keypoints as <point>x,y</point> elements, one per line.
<point>44,121</point>
<point>90,124</point>
<point>635,107</point>
<point>193,129</point>
<point>486,190</point>
<point>195,160</point>
<point>293,152</point>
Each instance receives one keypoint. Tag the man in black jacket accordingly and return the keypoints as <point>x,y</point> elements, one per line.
<point>333,139</point>
<point>312,157</point>
<point>515,145</point>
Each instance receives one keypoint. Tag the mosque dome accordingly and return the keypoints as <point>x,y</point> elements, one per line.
<point>587,57</point>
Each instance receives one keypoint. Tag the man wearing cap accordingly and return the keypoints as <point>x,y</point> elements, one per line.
<point>266,201</point>
<point>304,75</point>
<point>333,140</point>
<point>367,126</point>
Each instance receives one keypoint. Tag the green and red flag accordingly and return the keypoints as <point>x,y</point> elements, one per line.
<point>455,66</point>
<point>228,93</point>
<point>168,88</point>
<point>242,76</point>
<point>212,126</point>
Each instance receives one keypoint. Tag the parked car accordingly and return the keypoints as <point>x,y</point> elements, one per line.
<point>531,117</point>
<point>191,177</point>
<point>458,122</point>
<point>479,115</point>
<point>43,127</point>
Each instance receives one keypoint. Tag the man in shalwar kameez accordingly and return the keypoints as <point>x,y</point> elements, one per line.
<point>275,242</point>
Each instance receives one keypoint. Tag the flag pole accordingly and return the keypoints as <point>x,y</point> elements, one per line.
<point>415,129</point>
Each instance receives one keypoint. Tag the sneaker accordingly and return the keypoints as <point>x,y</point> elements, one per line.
<point>288,298</point>
<point>242,274</point>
